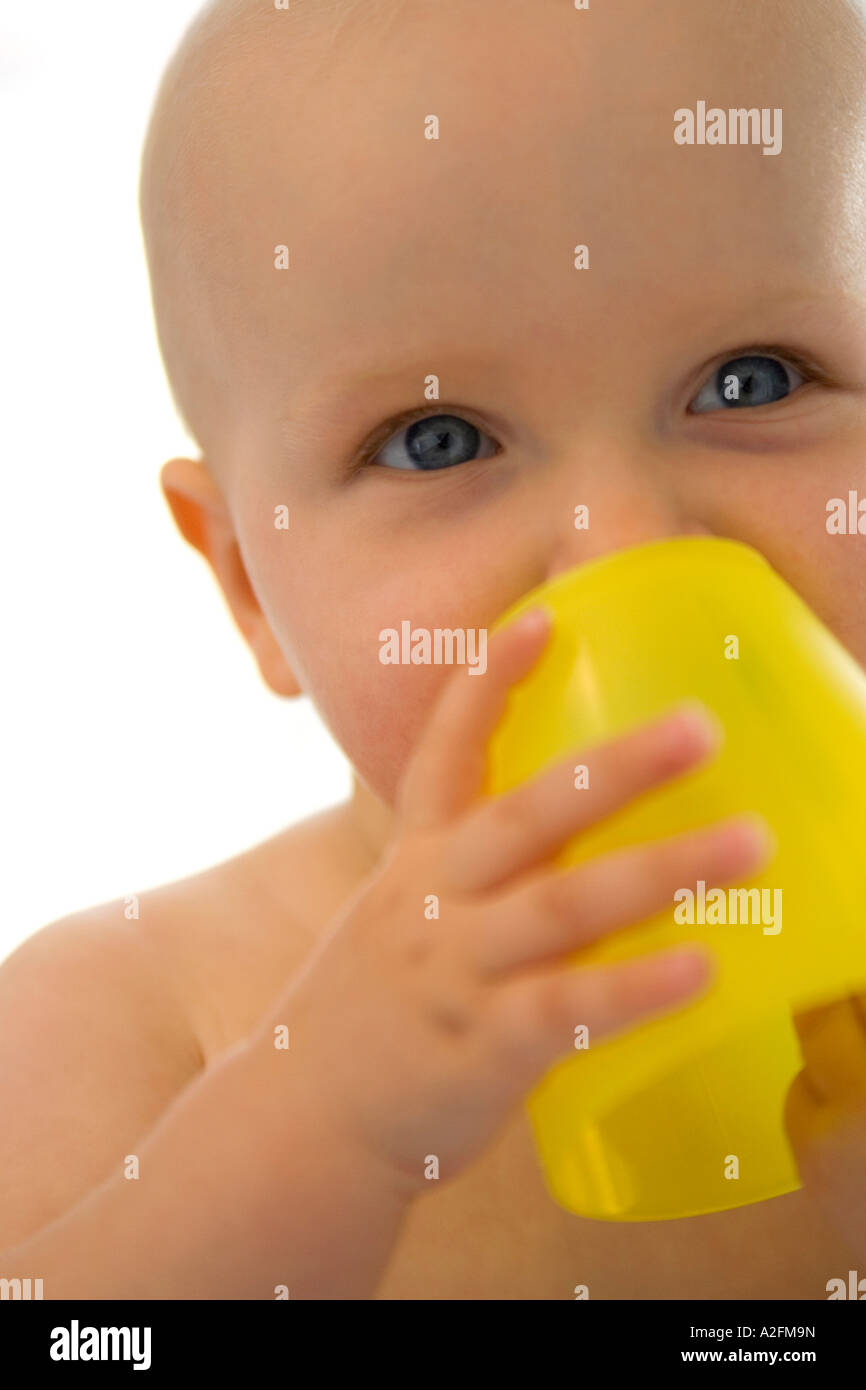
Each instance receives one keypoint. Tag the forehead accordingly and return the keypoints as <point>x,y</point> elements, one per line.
<point>555,127</point>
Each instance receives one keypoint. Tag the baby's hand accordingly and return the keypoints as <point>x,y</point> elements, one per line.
<point>443,992</point>
<point>825,1114</point>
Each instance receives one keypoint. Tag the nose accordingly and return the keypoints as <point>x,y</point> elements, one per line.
<point>625,509</point>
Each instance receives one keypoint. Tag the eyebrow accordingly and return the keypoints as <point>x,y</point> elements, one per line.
<point>329,395</point>
<point>345,388</point>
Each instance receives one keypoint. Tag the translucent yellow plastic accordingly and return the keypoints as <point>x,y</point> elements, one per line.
<point>645,1126</point>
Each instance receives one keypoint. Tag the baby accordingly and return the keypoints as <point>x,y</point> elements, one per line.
<point>478,239</point>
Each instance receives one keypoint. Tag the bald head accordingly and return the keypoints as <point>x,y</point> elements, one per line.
<point>206,121</point>
<point>270,124</point>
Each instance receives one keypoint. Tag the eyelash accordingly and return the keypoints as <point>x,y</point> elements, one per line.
<point>402,421</point>
<point>786,357</point>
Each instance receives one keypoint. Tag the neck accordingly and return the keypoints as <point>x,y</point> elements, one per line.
<point>369,819</point>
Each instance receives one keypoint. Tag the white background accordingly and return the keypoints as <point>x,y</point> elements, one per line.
<point>138,742</point>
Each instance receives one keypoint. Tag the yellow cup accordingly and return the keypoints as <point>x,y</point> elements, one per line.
<point>683,1115</point>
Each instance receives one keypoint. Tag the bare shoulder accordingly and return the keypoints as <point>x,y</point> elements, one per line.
<point>97,968</point>
<point>95,1043</point>
<point>108,1014</point>
<point>231,937</point>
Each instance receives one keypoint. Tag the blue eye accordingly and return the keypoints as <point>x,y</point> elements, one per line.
<point>746,381</point>
<point>436,441</point>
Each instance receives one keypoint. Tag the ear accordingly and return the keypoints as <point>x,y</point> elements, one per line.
<point>204,520</point>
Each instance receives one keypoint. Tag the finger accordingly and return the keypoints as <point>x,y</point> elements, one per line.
<point>833,1043</point>
<point>447,768</point>
<point>556,912</point>
<point>508,834</point>
<point>534,1019</point>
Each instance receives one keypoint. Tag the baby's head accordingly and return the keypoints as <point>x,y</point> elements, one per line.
<point>431,167</point>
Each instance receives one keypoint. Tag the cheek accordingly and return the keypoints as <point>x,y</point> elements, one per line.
<point>327,609</point>
<point>783,513</point>
<point>830,574</point>
<point>328,591</point>
<point>375,712</point>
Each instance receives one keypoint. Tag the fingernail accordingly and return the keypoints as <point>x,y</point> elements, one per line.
<point>695,718</point>
<point>687,965</point>
<point>760,832</point>
<point>534,620</point>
